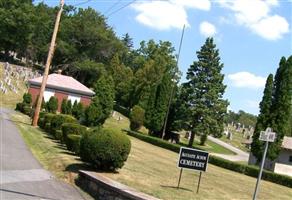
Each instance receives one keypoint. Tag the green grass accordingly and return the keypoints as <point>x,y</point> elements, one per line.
<point>149,169</point>
<point>10,99</point>
<point>153,170</point>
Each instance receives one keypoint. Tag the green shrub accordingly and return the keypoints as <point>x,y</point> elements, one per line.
<point>52,105</point>
<point>19,107</point>
<point>64,106</point>
<point>136,118</point>
<point>226,164</point>
<point>26,98</point>
<point>47,119</point>
<point>59,135</point>
<point>105,149</point>
<point>27,109</point>
<point>73,143</point>
<point>77,110</point>
<point>58,120</point>
<point>72,129</point>
<point>69,107</point>
<point>47,127</point>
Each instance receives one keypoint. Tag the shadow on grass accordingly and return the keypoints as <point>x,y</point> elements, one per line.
<point>75,167</point>
<point>175,187</point>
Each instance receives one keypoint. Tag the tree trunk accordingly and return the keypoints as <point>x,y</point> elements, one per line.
<point>191,141</point>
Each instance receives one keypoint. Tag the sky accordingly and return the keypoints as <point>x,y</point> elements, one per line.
<point>251,35</point>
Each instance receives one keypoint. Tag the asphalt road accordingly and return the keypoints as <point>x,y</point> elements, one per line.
<point>21,175</point>
<point>240,155</point>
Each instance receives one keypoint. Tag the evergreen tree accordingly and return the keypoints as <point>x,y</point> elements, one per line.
<point>74,108</point>
<point>64,106</point>
<point>157,106</point>
<point>52,105</point>
<point>281,106</point>
<point>204,91</point>
<point>263,120</point>
<point>69,107</point>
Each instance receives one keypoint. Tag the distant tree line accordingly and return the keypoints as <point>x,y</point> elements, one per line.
<point>241,117</point>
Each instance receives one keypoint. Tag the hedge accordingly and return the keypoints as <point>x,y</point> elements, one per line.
<point>58,120</point>
<point>72,129</point>
<point>226,164</point>
<point>47,119</point>
<point>73,143</point>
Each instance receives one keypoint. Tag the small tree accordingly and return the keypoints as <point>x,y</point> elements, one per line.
<point>64,109</point>
<point>93,113</point>
<point>52,105</point>
<point>136,118</point>
<point>69,107</point>
<point>77,110</point>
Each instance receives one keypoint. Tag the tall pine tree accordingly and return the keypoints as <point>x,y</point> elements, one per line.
<point>263,120</point>
<point>205,90</point>
<point>281,106</point>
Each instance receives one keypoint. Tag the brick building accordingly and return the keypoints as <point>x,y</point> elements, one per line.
<point>62,87</point>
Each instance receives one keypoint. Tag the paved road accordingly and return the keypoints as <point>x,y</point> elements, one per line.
<point>21,175</point>
<point>240,155</point>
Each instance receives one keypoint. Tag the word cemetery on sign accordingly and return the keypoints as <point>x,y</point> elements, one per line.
<point>267,135</point>
<point>193,159</point>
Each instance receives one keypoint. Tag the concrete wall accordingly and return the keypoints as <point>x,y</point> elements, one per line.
<point>283,169</point>
<point>103,188</point>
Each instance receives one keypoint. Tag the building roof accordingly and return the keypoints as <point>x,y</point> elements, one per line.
<point>62,82</point>
<point>287,143</point>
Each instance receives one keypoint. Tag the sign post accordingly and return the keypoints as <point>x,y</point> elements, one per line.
<point>192,159</point>
<point>267,136</point>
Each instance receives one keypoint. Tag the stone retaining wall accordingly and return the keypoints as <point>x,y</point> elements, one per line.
<point>103,188</point>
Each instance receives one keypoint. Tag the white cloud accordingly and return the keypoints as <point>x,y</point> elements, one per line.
<point>255,15</point>
<point>165,15</point>
<point>207,29</point>
<point>246,80</point>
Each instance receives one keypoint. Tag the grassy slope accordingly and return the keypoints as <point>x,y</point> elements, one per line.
<point>10,99</point>
<point>149,171</point>
<point>237,140</point>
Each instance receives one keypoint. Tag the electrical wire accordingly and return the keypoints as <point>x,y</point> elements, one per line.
<point>128,4</point>
<point>81,3</point>
<point>110,8</point>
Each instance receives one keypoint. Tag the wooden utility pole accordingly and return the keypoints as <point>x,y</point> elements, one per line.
<point>47,67</point>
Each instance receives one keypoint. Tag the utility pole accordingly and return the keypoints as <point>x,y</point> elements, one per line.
<point>173,87</point>
<point>47,67</point>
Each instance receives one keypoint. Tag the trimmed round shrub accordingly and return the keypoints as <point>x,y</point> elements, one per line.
<point>47,119</point>
<point>105,149</point>
<point>58,120</point>
<point>73,128</point>
<point>59,135</point>
<point>73,143</point>
<point>27,109</point>
<point>136,118</point>
<point>19,107</point>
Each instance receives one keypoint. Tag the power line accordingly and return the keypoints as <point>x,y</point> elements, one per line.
<point>121,8</point>
<point>110,8</point>
<point>81,3</point>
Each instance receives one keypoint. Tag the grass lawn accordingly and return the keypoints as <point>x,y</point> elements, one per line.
<point>210,146</point>
<point>153,170</point>
<point>10,99</point>
<point>149,169</point>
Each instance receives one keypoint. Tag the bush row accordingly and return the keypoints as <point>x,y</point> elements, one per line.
<point>237,167</point>
<point>105,149</point>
